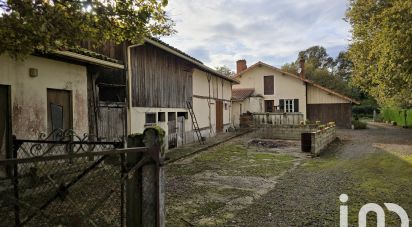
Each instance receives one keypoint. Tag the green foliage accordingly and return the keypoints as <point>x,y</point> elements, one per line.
<point>324,70</point>
<point>381,49</point>
<point>225,70</point>
<point>29,26</point>
<point>316,56</point>
<point>357,124</point>
<point>366,108</point>
<point>402,117</point>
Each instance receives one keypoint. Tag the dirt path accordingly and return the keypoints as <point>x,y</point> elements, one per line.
<point>373,165</point>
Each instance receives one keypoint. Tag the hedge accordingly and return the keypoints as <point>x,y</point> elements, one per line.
<point>398,116</point>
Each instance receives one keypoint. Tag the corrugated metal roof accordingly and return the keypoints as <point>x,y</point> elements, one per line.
<point>175,49</point>
<point>241,94</point>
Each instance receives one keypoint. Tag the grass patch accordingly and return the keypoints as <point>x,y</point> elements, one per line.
<point>201,202</point>
<point>377,178</point>
<point>234,160</point>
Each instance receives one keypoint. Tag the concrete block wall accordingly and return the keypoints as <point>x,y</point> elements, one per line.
<point>287,132</point>
<point>322,138</point>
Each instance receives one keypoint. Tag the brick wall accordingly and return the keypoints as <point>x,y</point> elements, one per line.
<point>322,138</point>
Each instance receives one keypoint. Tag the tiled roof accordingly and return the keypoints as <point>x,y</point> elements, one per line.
<point>258,64</point>
<point>241,94</point>
<point>93,54</point>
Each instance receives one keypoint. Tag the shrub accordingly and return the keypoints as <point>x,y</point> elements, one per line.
<point>358,124</point>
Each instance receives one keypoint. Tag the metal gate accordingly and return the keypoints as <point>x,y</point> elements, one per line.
<point>67,182</point>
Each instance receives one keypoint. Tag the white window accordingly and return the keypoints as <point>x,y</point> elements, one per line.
<point>289,107</point>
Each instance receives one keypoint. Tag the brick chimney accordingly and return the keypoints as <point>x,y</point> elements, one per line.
<point>302,68</point>
<point>240,65</point>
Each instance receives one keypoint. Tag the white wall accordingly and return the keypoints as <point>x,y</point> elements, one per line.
<point>285,87</point>
<point>29,95</point>
<point>200,106</point>
<point>252,104</point>
<point>219,89</point>
<point>319,96</point>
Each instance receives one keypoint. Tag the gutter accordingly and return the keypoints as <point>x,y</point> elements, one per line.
<point>88,59</point>
<point>129,79</point>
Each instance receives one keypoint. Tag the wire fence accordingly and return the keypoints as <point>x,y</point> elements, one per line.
<point>65,181</point>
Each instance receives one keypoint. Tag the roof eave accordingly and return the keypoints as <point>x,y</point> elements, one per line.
<point>87,59</point>
<point>199,65</point>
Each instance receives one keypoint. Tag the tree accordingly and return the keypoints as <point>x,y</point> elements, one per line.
<point>225,70</point>
<point>381,49</point>
<point>323,69</point>
<point>317,56</point>
<point>28,26</point>
<point>342,66</point>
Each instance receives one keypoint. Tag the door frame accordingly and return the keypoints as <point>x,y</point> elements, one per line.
<point>9,130</point>
<point>71,123</point>
<point>219,118</point>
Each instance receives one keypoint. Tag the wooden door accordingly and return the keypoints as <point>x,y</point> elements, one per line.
<point>59,110</point>
<point>4,125</point>
<point>219,116</point>
<point>269,105</point>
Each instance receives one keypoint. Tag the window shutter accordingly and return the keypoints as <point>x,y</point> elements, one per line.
<point>282,105</point>
<point>296,105</point>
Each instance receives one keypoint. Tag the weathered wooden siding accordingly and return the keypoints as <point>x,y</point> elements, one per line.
<point>109,49</point>
<point>111,123</point>
<point>340,113</point>
<point>159,79</point>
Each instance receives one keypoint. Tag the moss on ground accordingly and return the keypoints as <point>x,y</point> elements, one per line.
<point>380,178</point>
<point>235,160</point>
<point>192,200</point>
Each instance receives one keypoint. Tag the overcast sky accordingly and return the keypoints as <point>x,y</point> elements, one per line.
<point>219,32</point>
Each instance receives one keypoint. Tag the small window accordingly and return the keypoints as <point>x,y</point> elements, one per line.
<point>171,116</point>
<point>161,117</point>
<point>182,114</point>
<point>269,84</point>
<point>226,106</point>
<point>150,118</point>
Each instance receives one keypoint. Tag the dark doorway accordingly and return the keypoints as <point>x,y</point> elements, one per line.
<point>5,125</point>
<point>59,110</point>
<point>269,106</point>
<point>172,132</point>
<point>219,116</point>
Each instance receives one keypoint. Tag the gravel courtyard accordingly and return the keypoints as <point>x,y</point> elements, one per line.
<point>245,182</point>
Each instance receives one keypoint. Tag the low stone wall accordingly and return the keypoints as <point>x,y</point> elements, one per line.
<point>287,132</point>
<point>321,139</point>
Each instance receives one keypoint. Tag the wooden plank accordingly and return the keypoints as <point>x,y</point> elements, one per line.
<point>159,79</point>
<point>340,113</point>
<point>219,116</point>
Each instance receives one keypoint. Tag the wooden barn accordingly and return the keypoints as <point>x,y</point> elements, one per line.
<point>177,92</point>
